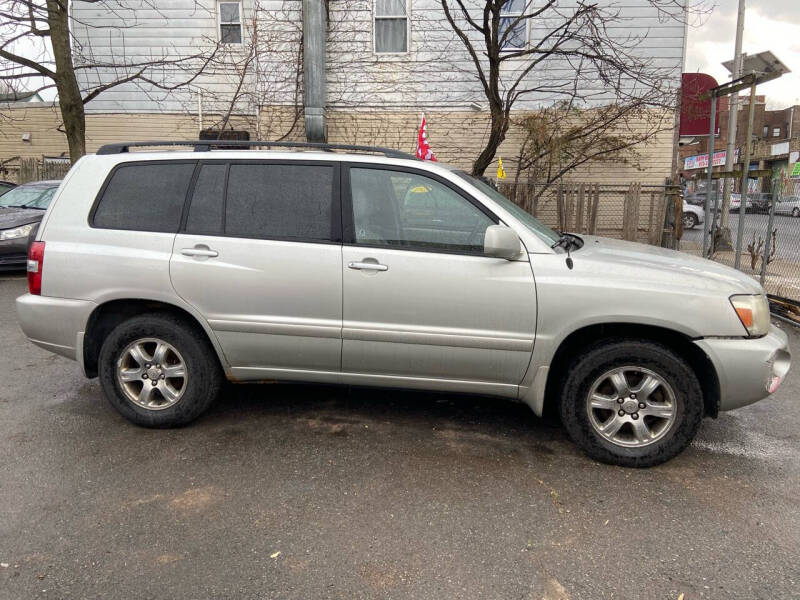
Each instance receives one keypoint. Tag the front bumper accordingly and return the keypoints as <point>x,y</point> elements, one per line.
<point>748,369</point>
<point>55,324</point>
<point>14,254</point>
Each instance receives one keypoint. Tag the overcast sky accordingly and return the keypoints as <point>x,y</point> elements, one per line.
<point>768,25</point>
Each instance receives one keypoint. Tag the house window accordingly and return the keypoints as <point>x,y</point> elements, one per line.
<point>391,26</point>
<point>776,132</point>
<point>517,38</point>
<point>230,22</point>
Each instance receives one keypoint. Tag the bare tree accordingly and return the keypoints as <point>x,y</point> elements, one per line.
<point>44,28</point>
<point>560,138</point>
<point>573,38</point>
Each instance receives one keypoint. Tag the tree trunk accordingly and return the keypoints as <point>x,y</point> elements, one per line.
<point>496,136</point>
<point>69,94</point>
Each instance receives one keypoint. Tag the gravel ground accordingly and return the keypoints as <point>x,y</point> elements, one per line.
<point>294,491</point>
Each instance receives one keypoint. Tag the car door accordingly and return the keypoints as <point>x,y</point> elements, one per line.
<point>259,255</point>
<point>420,299</point>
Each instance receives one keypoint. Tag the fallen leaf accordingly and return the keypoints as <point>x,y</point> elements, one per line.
<point>4,565</point>
<point>680,597</point>
<point>606,523</point>
<point>275,554</point>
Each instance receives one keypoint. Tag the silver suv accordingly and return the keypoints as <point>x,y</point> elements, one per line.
<point>165,273</point>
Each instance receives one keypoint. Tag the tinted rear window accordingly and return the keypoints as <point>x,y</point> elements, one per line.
<point>145,197</point>
<point>280,201</point>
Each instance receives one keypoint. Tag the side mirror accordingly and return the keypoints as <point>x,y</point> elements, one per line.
<point>501,241</point>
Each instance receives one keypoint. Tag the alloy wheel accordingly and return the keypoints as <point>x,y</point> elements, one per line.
<point>631,406</point>
<point>152,373</point>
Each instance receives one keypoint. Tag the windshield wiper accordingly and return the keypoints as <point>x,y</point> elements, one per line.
<point>24,206</point>
<point>566,241</point>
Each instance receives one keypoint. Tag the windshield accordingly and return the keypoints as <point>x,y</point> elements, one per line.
<point>28,196</point>
<point>523,216</point>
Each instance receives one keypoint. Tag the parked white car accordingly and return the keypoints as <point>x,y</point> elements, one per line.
<point>693,215</point>
<point>736,203</point>
<point>788,205</point>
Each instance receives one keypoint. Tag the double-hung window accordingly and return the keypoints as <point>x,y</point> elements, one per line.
<point>230,22</point>
<point>517,38</point>
<point>391,26</point>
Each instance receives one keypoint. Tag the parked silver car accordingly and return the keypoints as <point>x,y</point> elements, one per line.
<point>165,273</point>
<point>788,205</point>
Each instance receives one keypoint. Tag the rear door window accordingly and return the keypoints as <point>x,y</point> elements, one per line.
<point>144,197</point>
<point>281,201</point>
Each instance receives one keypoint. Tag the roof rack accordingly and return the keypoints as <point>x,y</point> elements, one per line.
<point>206,145</point>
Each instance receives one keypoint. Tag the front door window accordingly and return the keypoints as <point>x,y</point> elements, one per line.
<point>408,210</point>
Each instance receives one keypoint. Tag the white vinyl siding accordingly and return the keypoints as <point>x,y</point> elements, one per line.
<point>434,71</point>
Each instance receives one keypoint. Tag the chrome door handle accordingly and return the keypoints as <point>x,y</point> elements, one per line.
<point>367,266</point>
<point>200,251</point>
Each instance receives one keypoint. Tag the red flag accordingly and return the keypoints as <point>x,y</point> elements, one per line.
<point>423,147</point>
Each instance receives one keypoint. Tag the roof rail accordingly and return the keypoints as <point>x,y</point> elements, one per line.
<point>206,145</point>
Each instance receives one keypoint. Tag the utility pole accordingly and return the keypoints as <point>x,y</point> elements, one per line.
<point>724,240</point>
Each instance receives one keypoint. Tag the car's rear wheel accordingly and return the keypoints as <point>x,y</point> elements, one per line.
<point>796,212</point>
<point>159,371</point>
<point>689,220</point>
<point>633,403</point>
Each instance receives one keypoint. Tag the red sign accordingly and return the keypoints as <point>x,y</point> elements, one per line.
<point>695,109</point>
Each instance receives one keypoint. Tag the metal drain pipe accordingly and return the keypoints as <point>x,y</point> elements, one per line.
<point>314,37</point>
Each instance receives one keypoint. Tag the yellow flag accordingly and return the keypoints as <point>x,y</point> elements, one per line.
<point>501,174</point>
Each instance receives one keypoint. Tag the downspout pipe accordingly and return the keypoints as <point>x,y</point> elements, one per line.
<point>314,77</point>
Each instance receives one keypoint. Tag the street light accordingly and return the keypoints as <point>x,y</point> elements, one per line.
<point>756,69</point>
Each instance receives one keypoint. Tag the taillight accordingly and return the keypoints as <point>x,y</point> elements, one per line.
<point>35,264</point>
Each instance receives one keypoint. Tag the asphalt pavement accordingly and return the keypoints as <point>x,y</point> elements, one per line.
<point>307,492</point>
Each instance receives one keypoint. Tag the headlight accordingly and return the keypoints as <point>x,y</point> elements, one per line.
<point>753,312</point>
<point>17,232</point>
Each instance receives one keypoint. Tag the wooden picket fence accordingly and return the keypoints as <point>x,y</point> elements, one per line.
<point>26,169</point>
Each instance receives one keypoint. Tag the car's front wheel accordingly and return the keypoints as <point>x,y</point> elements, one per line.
<point>633,403</point>
<point>689,220</point>
<point>159,371</point>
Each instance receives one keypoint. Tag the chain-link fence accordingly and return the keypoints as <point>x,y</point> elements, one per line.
<point>770,238</point>
<point>629,211</point>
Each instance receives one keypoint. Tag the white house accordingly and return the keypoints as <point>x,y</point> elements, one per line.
<point>357,71</point>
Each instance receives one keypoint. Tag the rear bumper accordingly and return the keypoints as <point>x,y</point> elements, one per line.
<point>55,324</point>
<point>748,369</point>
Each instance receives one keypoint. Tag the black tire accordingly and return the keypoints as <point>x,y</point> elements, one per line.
<point>689,220</point>
<point>204,374</point>
<point>796,212</point>
<point>610,354</point>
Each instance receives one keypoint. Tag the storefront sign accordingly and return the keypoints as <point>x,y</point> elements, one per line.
<point>778,149</point>
<point>701,160</point>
